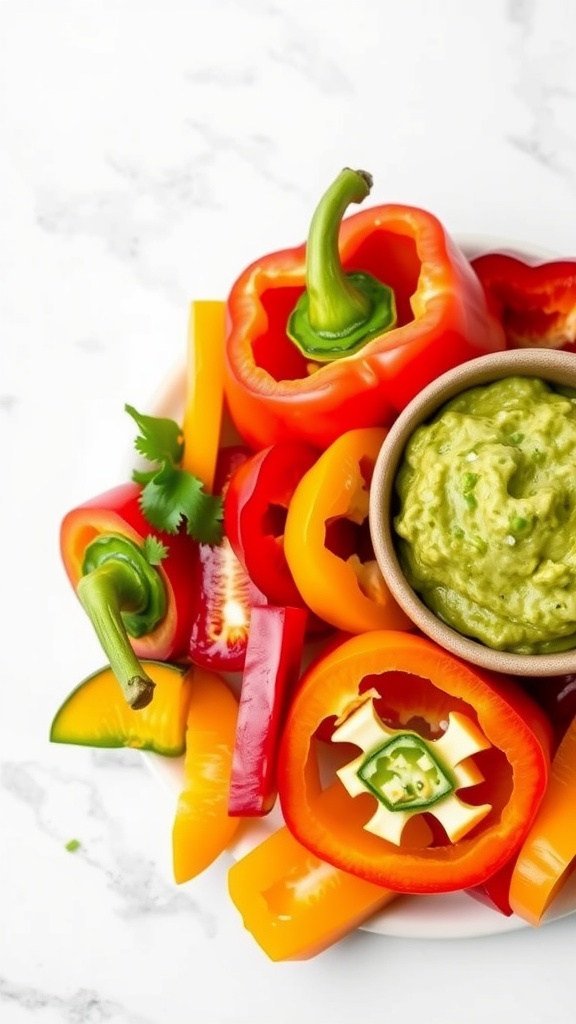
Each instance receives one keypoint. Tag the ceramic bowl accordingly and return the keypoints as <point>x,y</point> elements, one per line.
<point>553,366</point>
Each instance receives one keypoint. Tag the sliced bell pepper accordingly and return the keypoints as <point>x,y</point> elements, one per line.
<point>255,509</point>
<point>204,394</point>
<point>271,670</point>
<point>202,827</point>
<point>133,581</point>
<point>436,808</point>
<point>221,592</point>
<point>548,854</point>
<point>534,301</point>
<point>327,541</point>
<point>366,354</point>
<point>296,905</point>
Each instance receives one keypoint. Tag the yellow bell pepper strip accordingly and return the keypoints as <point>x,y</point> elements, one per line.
<point>202,828</point>
<point>294,904</point>
<point>495,765</point>
<point>368,358</point>
<point>327,541</point>
<point>204,395</point>
<point>548,854</point>
<point>96,715</point>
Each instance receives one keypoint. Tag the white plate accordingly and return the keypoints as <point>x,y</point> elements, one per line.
<point>449,916</point>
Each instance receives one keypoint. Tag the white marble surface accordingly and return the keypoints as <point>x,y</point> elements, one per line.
<point>148,151</point>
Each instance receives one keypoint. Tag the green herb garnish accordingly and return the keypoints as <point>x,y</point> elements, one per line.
<point>170,495</point>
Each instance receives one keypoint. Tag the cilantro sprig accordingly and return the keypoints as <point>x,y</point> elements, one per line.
<point>170,495</point>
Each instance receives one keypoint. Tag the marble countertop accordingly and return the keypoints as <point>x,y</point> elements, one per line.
<point>149,152</point>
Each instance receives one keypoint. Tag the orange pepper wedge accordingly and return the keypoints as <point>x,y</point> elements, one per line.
<point>204,392</point>
<point>348,592</point>
<point>548,855</point>
<point>202,828</point>
<point>294,904</point>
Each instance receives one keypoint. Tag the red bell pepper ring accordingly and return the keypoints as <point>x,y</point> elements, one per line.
<point>271,670</point>
<point>534,301</point>
<point>139,609</point>
<point>221,592</point>
<point>420,687</point>
<point>275,392</point>
<point>255,509</point>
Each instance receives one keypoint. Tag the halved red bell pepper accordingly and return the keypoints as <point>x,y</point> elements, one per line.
<point>327,541</point>
<point>138,601</point>
<point>418,688</point>
<point>221,592</point>
<point>271,670</point>
<point>255,509</point>
<point>534,301</point>
<point>370,351</point>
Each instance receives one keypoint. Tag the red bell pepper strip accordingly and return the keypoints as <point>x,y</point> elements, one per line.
<point>271,670</point>
<point>139,609</point>
<point>419,687</point>
<point>535,302</point>
<point>255,509</point>
<point>221,593</point>
<point>274,391</point>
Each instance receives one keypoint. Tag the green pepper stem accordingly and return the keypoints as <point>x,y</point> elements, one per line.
<point>334,304</point>
<point>104,592</point>
<point>338,312</point>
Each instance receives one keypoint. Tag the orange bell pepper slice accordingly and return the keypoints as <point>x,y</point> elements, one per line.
<point>419,685</point>
<point>548,855</point>
<point>344,585</point>
<point>204,394</point>
<point>296,905</point>
<point>202,828</point>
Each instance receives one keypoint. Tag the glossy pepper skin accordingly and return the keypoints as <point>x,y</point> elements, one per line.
<point>534,301</point>
<point>548,854</point>
<point>418,683</point>
<point>294,904</point>
<point>326,540</point>
<point>271,671</point>
<point>442,320</point>
<point>117,513</point>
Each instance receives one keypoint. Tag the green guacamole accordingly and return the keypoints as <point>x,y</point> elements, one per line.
<point>486,519</point>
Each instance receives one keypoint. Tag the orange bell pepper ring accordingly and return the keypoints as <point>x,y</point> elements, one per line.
<point>327,542</point>
<point>202,828</point>
<point>296,905</point>
<point>425,807</point>
<point>548,855</point>
<point>344,331</point>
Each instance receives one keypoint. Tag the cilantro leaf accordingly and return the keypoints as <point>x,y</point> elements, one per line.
<point>171,496</point>
<point>160,439</point>
<point>154,550</point>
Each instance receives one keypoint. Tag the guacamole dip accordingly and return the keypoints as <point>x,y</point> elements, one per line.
<point>486,521</point>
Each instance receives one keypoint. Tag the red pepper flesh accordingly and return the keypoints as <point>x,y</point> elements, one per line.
<point>271,670</point>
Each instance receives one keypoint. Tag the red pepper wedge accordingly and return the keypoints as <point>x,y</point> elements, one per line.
<point>420,686</point>
<point>221,592</point>
<point>534,301</point>
<point>139,610</point>
<point>275,392</point>
<point>271,670</point>
<point>255,509</point>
